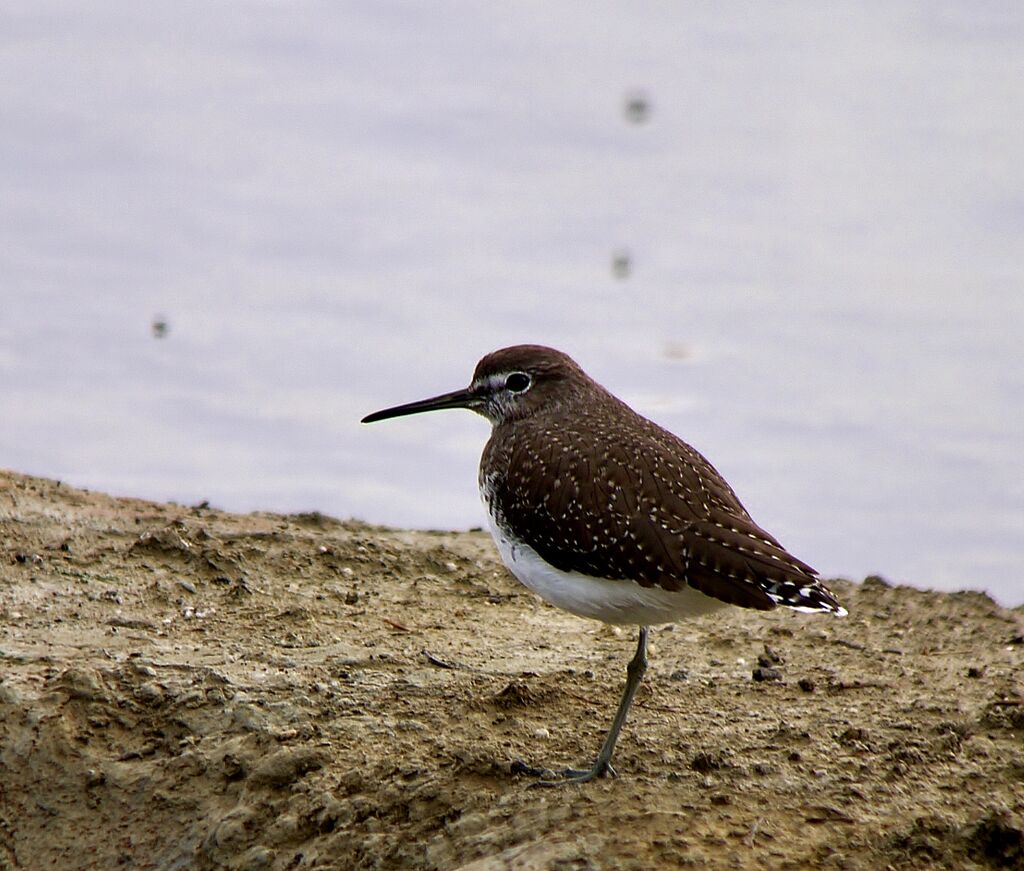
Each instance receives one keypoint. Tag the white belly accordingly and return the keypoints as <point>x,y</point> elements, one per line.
<point>599,598</point>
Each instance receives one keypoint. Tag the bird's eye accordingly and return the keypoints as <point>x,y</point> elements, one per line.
<point>517,382</point>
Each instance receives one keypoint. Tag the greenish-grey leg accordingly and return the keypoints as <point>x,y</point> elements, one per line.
<point>603,764</point>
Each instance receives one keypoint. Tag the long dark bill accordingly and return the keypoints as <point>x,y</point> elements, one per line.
<point>457,399</point>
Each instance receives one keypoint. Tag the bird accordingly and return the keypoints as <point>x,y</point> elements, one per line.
<point>605,514</point>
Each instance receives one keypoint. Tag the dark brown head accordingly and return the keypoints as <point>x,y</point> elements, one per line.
<point>509,384</point>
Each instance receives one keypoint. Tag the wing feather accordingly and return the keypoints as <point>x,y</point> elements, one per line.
<point>592,501</point>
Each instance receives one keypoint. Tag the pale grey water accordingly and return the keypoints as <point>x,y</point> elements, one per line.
<point>342,206</point>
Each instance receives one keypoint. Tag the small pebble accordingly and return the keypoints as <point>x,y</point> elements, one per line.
<point>150,693</point>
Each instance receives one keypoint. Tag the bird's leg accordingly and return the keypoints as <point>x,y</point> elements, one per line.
<point>603,764</point>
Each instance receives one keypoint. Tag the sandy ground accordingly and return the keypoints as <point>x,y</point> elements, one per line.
<point>186,688</point>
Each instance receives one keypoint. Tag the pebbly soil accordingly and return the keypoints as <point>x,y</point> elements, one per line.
<point>186,688</point>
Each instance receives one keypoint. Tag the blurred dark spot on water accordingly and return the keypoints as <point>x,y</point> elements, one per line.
<point>159,327</point>
<point>676,351</point>
<point>637,107</point>
<point>622,264</point>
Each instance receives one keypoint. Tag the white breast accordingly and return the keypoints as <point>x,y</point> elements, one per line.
<point>611,601</point>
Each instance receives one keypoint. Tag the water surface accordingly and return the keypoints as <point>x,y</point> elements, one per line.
<point>338,207</point>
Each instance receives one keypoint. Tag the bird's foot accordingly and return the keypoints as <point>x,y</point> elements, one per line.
<point>564,777</point>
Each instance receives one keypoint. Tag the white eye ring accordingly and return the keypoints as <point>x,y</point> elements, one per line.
<point>518,382</point>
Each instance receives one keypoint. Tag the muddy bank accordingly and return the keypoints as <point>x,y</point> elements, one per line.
<point>186,688</point>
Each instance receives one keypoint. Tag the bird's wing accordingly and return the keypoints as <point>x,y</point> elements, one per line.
<point>661,516</point>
